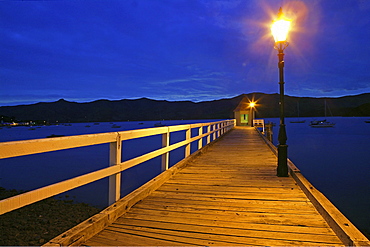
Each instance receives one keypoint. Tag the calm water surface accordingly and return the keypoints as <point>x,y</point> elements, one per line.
<point>335,160</point>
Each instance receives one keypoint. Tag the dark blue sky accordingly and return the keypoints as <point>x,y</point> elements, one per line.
<point>84,50</point>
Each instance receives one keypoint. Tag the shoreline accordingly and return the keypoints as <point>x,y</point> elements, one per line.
<point>36,224</point>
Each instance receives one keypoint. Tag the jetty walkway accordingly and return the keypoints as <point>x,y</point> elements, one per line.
<point>226,195</point>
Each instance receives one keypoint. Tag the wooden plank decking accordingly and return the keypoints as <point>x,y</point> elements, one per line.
<point>229,195</point>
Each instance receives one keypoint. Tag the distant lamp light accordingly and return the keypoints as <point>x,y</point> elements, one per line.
<point>252,105</point>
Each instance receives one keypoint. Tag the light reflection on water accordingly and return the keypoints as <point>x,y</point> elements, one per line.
<point>335,160</point>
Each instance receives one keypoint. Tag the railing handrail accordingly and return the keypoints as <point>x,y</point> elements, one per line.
<point>20,148</point>
<point>26,147</point>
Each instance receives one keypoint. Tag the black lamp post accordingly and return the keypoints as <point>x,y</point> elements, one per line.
<point>280,29</point>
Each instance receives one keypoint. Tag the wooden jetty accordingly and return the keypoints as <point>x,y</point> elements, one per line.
<point>226,194</point>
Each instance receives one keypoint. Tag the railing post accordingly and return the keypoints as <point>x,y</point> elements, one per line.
<point>165,156</point>
<point>218,130</point>
<point>269,132</point>
<point>214,132</point>
<point>115,152</point>
<point>200,142</point>
<point>209,135</point>
<point>187,137</point>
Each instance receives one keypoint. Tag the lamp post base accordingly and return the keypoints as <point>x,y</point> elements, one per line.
<point>282,169</point>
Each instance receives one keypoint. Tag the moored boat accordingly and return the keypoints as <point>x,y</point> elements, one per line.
<point>298,121</point>
<point>159,124</point>
<point>321,124</point>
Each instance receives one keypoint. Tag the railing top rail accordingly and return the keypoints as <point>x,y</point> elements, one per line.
<point>26,147</point>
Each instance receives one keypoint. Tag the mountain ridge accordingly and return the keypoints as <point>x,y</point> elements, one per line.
<point>145,109</point>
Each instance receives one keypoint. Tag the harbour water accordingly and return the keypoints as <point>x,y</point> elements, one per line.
<point>34,171</point>
<point>335,160</point>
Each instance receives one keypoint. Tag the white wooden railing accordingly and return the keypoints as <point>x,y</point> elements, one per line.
<point>116,166</point>
<point>259,123</point>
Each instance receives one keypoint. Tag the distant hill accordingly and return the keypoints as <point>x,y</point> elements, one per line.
<point>147,109</point>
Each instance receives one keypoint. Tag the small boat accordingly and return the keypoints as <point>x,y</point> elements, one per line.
<point>53,135</point>
<point>298,121</point>
<point>159,124</point>
<point>116,126</point>
<point>367,121</point>
<point>321,124</point>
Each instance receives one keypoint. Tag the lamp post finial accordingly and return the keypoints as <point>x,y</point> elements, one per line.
<point>280,13</point>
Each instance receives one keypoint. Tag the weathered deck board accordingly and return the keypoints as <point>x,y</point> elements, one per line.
<point>228,196</point>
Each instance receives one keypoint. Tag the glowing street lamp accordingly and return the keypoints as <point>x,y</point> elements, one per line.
<point>280,29</point>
